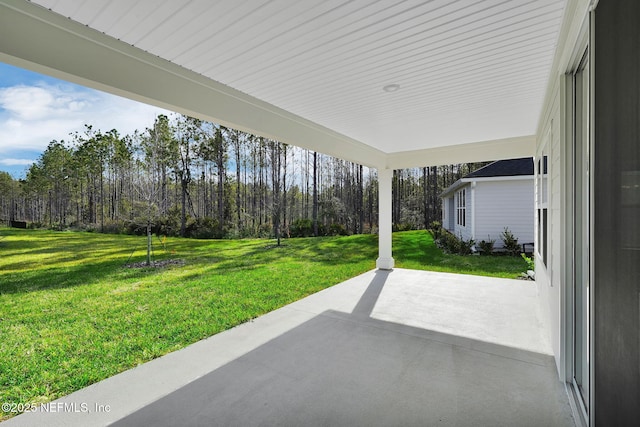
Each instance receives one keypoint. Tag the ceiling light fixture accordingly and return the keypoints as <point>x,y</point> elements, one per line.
<point>391,88</point>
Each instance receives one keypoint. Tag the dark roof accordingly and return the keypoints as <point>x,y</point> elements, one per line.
<point>512,167</point>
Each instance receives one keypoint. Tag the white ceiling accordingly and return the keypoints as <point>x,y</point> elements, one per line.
<point>468,70</point>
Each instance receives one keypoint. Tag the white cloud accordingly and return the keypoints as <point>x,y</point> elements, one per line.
<point>33,116</point>
<point>30,103</point>
<point>16,162</point>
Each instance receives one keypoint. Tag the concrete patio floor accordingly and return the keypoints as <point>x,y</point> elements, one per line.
<point>382,349</point>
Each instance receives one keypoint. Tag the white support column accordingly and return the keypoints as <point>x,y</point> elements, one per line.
<point>385,259</point>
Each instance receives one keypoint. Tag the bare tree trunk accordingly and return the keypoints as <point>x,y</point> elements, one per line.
<point>275,181</point>
<point>183,201</point>
<point>306,188</point>
<point>221,179</point>
<point>360,201</point>
<point>245,205</point>
<point>433,213</point>
<point>425,196</point>
<point>101,200</point>
<point>284,188</point>
<point>260,184</point>
<point>254,197</point>
<point>163,194</point>
<point>148,243</point>
<point>237,147</point>
<point>315,194</point>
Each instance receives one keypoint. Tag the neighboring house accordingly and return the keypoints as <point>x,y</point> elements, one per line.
<point>501,194</point>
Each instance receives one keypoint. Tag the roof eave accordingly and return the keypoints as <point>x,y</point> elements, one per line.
<point>498,149</point>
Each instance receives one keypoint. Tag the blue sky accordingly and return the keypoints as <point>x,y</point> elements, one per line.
<point>36,109</point>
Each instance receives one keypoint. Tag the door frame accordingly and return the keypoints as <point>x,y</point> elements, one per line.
<point>584,47</point>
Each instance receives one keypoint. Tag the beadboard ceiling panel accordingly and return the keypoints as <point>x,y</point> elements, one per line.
<point>467,70</point>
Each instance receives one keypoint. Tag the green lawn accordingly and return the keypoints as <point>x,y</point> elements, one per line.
<point>71,314</point>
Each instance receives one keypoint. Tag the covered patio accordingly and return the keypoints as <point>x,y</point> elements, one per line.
<point>392,85</point>
<point>398,347</point>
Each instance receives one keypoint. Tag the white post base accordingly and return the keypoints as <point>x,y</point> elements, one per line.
<point>385,263</point>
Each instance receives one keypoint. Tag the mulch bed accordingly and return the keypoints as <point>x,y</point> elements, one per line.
<point>156,264</point>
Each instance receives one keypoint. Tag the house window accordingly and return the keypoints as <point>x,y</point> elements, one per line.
<point>461,207</point>
<point>542,202</point>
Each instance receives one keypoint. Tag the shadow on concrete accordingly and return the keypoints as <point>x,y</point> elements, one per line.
<point>347,369</point>
<point>367,302</point>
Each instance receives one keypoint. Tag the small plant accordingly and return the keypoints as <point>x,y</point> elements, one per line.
<point>464,246</point>
<point>486,246</point>
<point>449,243</point>
<point>510,242</point>
<point>436,229</point>
<point>454,245</point>
<point>531,265</point>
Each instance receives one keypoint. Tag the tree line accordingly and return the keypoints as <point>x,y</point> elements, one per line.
<point>189,177</point>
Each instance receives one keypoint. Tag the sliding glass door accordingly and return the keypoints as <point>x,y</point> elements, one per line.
<point>581,235</point>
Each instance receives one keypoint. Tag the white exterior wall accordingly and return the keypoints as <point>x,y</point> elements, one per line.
<point>552,136</point>
<point>548,278</point>
<point>449,213</point>
<point>504,203</point>
<point>451,208</point>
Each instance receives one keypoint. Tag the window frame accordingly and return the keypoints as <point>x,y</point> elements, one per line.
<point>461,207</point>
<point>543,192</point>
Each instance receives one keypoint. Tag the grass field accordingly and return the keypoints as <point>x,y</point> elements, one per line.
<point>72,314</point>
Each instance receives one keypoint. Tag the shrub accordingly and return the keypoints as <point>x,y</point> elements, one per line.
<point>464,246</point>
<point>58,227</point>
<point>265,230</point>
<point>168,225</point>
<point>436,229</point>
<point>301,228</point>
<point>403,226</point>
<point>449,243</point>
<point>238,233</point>
<point>136,229</point>
<point>114,228</point>
<point>203,228</point>
<point>89,228</point>
<point>531,265</point>
<point>510,242</point>
<point>336,229</point>
<point>486,246</point>
<point>454,245</point>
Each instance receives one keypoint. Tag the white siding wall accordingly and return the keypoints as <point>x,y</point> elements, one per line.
<point>448,217</point>
<point>549,279</point>
<point>505,203</point>
<point>450,213</point>
<point>554,136</point>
